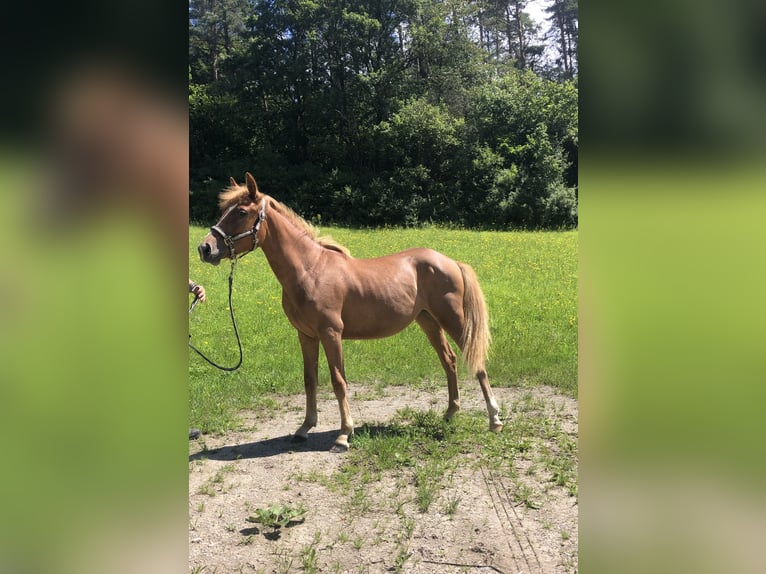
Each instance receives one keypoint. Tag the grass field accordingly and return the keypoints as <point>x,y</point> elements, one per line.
<point>529,281</point>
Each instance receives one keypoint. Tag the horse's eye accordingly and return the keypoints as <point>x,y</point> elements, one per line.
<point>242,213</point>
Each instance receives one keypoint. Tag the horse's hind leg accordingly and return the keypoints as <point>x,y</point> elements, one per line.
<point>310,350</point>
<point>451,322</point>
<point>495,424</point>
<point>447,357</point>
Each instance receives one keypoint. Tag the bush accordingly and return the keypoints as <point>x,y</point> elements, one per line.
<point>561,208</point>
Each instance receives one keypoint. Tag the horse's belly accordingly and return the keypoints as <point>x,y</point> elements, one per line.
<point>375,323</point>
<point>362,333</point>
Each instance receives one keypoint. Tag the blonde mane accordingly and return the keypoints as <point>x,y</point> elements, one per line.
<point>233,195</point>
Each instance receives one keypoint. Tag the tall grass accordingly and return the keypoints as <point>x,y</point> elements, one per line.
<point>529,281</point>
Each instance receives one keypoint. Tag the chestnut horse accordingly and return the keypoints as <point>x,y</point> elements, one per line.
<point>329,296</point>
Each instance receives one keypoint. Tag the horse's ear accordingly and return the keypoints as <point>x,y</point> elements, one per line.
<point>233,182</point>
<point>252,187</point>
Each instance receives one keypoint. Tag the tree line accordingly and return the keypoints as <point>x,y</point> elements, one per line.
<point>388,112</point>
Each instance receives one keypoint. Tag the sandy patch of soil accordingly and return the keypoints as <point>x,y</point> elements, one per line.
<point>381,528</point>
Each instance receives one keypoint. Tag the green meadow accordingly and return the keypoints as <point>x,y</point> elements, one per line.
<point>529,281</point>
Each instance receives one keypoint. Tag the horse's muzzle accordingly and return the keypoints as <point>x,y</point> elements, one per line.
<point>206,253</point>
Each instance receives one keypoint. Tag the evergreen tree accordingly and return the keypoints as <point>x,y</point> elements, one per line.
<point>564,33</point>
<point>384,111</point>
<point>214,31</point>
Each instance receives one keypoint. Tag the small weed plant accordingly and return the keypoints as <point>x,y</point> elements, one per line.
<point>277,516</point>
<point>309,559</point>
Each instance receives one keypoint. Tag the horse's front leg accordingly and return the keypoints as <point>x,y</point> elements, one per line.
<point>310,350</point>
<point>333,347</point>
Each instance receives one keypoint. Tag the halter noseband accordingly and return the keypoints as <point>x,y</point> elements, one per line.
<point>229,240</point>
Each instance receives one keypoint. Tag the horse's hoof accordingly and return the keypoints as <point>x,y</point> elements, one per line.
<point>299,438</point>
<point>339,448</point>
<point>496,427</point>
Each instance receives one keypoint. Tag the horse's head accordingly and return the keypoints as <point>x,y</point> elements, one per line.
<point>238,230</point>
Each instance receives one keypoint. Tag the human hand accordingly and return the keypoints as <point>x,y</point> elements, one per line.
<point>198,290</point>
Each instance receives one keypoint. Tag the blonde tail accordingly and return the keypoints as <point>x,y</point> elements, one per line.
<point>476,336</point>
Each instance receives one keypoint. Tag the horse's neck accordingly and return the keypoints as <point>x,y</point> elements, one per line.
<point>289,250</point>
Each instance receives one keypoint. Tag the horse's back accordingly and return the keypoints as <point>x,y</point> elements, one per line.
<point>416,257</point>
<point>418,266</point>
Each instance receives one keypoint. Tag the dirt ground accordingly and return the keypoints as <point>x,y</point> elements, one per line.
<point>488,530</point>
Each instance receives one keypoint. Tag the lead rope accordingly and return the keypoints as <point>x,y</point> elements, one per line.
<point>229,241</point>
<point>233,322</point>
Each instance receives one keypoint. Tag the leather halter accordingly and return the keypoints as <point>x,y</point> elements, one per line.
<point>229,240</point>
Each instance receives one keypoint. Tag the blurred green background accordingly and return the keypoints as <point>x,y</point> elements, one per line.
<point>671,312</point>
